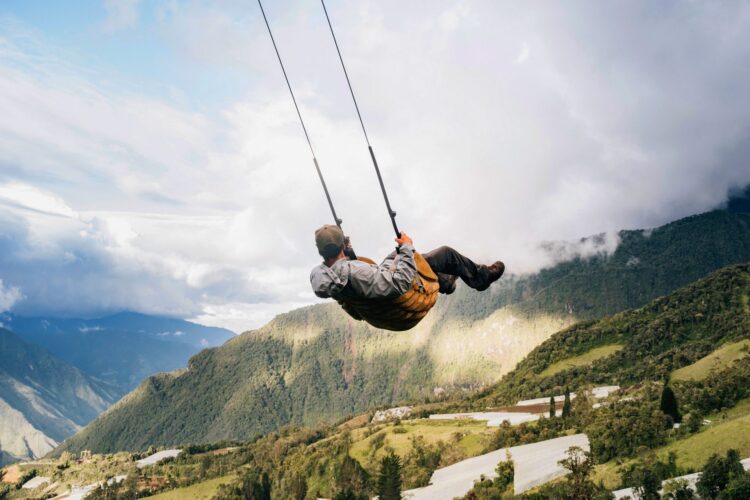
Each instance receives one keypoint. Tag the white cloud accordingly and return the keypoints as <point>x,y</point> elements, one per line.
<point>29,197</point>
<point>111,198</point>
<point>524,53</point>
<point>9,295</point>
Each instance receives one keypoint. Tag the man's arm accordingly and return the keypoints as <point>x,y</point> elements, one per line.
<point>371,281</point>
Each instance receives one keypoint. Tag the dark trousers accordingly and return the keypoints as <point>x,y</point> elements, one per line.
<point>448,263</point>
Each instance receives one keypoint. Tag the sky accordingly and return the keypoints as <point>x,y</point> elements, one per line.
<point>151,159</point>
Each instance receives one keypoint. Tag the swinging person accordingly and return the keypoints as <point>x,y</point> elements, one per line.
<point>347,280</point>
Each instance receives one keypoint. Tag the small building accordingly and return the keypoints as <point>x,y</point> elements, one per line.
<point>85,456</point>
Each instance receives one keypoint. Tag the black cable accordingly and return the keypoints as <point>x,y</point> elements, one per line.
<point>391,212</point>
<point>346,74</point>
<point>302,122</point>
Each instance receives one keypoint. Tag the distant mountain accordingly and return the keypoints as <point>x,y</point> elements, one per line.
<point>42,400</point>
<point>316,364</point>
<point>122,349</point>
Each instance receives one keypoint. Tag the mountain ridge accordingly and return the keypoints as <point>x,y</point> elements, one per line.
<point>43,400</point>
<point>144,344</point>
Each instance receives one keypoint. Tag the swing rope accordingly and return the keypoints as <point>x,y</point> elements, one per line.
<point>391,212</point>
<point>302,122</point>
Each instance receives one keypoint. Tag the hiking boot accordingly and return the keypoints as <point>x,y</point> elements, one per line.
<point>447,283</point>
<point>492,274</point>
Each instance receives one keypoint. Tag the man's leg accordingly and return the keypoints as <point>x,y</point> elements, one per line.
<point>447,261</point>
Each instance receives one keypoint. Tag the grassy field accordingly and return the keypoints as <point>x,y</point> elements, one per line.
<point>716,438</point>
<point>198,491</point>
<point>584,359</point>
<point>475,436</point>
<point>728,430</point>
<point>720,358</point>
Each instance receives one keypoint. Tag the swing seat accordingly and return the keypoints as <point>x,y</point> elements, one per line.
<point>396,313</point>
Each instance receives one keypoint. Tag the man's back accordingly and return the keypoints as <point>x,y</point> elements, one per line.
<point>393,277</point>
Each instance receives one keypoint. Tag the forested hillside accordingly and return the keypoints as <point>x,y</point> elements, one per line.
<point>42,400</point>
<point>654,341</point>
<point>315,364</point>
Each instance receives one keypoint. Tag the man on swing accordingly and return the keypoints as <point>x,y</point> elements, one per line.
<point>395,275</point>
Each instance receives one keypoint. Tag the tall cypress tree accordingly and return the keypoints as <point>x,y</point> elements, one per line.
<point>668,404</point>
<point>567,408</point>
<point>389,479</point>
<point>551,406</point>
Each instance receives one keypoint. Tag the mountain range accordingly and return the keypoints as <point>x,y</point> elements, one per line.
<point>316,365</point>
<point>58,374</point>
<point>121,349</point>
<point>43,400</point>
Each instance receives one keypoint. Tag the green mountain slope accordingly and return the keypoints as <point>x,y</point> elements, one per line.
<point>315,364</point>
<point>42,400</point>
<point>669,333</point>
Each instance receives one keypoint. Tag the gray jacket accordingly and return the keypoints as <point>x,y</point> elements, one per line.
<point>393,277</point>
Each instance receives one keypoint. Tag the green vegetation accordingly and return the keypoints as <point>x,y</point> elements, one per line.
<point>577,484</point>
<point>667,334</point>
<point>622,429</point>
<point>389,478</point>
<point>567,409</point>
<point>718,472</point>
<point>469,438</point>
<point>584,359</point>
<point>718,359</point>
<point>315,365</point>
<point>499,487</point>
<point>199,491</point>
<point>693,451</point>
<point>668,404</point>
<point>688,452</point>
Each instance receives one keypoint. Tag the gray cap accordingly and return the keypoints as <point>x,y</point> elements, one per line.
<point>329,234</point>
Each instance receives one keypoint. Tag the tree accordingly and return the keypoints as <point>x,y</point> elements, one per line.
<point>351,476</point>
<point>298,487</point>
<point>668,404</point>
<point>580,464</point>
<point>567,407</point>
<point>678,489</point>
<point>505,473</point>
<point>693,421</point>
<point>389,479</point>
<point>348,494</point>
<point>552,407</point>
<point>65,458</point>
<point>250,488</point>
<point>738,488</point>
<point>647,483</point>
<point>717,474</point>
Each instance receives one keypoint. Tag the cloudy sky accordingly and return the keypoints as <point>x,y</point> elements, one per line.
<point>150,157</point>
